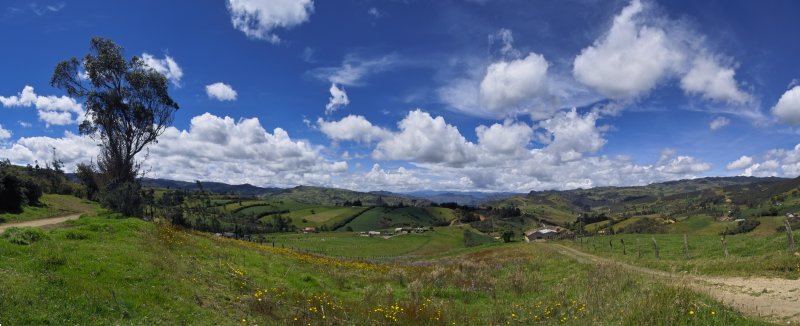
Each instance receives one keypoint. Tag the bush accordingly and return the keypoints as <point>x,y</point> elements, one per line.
<point>23,236</point>
<point>645,225</point>
<point>11,194</point>
<point>472,239</point>
<point>77,235</point>
<point>124,198</point>
<point>743,227</point>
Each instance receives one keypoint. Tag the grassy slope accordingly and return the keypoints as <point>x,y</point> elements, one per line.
<point>441,241</point>
<point>750,254</point>
<point>380,218</point>
<point>51,206</point>
<point>103,271</point>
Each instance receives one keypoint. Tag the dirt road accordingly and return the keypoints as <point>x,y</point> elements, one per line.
<point>42,222</point>
<point>771,299</point>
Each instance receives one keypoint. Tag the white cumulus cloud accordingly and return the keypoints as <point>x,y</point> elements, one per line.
<point>507,84</point>
<point>506,138</point>
<point>571,135</point>
<point>426,139</point>
<point>352,128</point>
<point>167,67</point>
<point>4,133</point>
<point>788,107</point>
<point>221,91</point>
<point>52,110</point>
<point>642,50</point>
<point>258,18</point>
<point>713,81</point>
<point>338,99</point>
<point>629,60</point>
<point>740,163</point>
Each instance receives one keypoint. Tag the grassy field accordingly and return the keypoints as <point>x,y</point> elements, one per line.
<point>100,271</point>
<point>749,254</point>
<point>380,218</point>
<point>51,206</point>
<point>441,241</point>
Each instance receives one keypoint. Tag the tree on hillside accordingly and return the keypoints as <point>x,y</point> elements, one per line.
<point>127,108</point>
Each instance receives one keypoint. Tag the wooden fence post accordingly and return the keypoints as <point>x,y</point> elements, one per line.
<point>623,247</point>
<point>685,246</point>
<point>789,235</point>
<point>638,249</point>
<point>725,242</point>
<point>655,247</point>
<point>610,246</point>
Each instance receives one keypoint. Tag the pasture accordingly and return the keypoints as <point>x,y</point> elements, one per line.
<point>130,272</point>
<point>749,254</point>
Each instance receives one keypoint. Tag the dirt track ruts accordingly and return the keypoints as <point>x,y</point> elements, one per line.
<point>41,222</point>
<point>770,299</point>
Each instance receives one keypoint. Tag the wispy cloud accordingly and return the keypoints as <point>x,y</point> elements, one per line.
<point>355,68</point>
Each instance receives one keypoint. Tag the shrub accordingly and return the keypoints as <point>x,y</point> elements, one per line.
<point>125,198</point>
<point>11,194</point>
<point>77,235</point>
<point>645,225</point>
<point>23,236</point>
<point>743,227</point>
<point>472,239</point>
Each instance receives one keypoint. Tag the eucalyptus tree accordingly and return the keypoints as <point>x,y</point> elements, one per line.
<point>127,108</point>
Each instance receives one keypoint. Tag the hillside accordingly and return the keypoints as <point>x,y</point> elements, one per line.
<point>101,271</point>
<point>212,187</point>
<point>472,198</point>
<point>723,199</point>
<point>334,197</point>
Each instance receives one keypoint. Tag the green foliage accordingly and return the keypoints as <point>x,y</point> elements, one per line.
<point>77,235</point>
<point>17,189</point>
<point>644,225</point>
<point>23,236</point>
<point>472,239</point>
<point>89,178</point>
<point>125,198</point>
<point>127,103</point>
<point>744,227</point>
<point>507,235</point>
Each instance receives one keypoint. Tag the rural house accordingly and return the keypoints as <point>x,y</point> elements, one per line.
<point>544,233</point>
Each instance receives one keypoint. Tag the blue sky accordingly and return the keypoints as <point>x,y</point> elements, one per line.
<point>485,95</point>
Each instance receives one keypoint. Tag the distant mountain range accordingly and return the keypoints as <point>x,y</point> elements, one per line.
<point>461,197</point>
<point>738,189</point>
<point>332,195</point>
<point>212,187</point>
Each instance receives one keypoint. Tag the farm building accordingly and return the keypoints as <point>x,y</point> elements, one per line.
<point>309,229</point>
<point>544,233</point>
<point>374,233</point>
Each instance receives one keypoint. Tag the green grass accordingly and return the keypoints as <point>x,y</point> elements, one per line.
<point>102,271</point>
<point>380,218</point>
<point>323,215</point>
<point>749,254</point>
<point>51,206</point>
<point>442,240</point>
